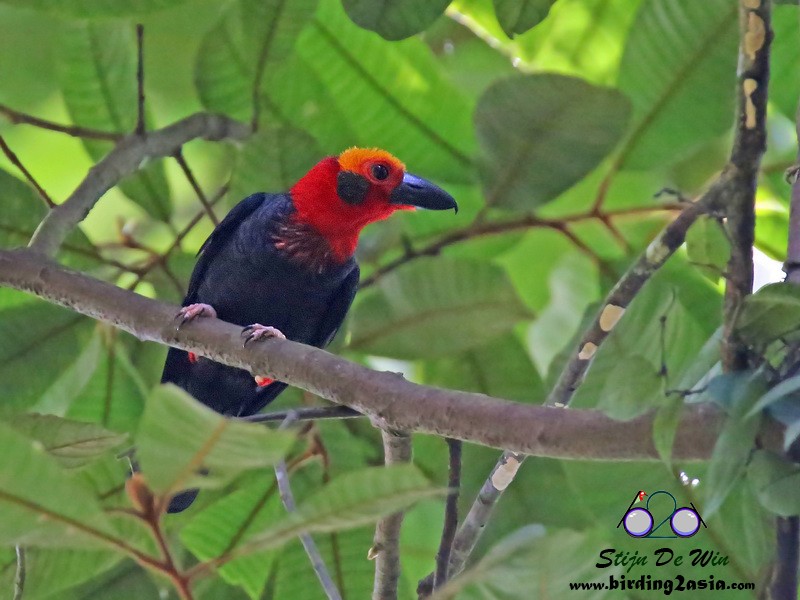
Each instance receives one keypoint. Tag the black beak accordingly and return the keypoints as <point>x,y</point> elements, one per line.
<point>415,191</point>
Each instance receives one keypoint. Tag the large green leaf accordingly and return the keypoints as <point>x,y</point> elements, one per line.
<point>776,482</point>
<point>433,308</point>
<point>351,500</point>
<point>540,134</point>
<point>178,437</point>
<point>528,560</point>
<point>667,324</point>
<point>50,572</point>
<point>35,333</point>
<point>21,213</point>
<point>73,443</point>
<point>518,16</point>
<point>40,504</point>
<point>785,60</point>
<point>272,161</point>
<point>770,313</point>
<point>114,395</point>
<point>397,19</point>
<point>679,69</point>
<point>97,69</point>
<point>95,8</point>
<point>738,392</point>
<point>392,95</point>
<point>250,35</point>
<point>501,367</point>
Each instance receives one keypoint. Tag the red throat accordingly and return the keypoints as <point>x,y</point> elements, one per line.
<point>317,204</point>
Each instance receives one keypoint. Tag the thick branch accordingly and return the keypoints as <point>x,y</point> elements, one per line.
<point>749,144</point>
<point>384,396</point>
<point>125,159</point>
<point>386,545</point>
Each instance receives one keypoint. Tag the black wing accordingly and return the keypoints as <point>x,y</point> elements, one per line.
<point>338,309</point>
<point>217,239</point>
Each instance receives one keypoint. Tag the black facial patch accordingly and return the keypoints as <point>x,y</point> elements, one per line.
<point>352,187</point>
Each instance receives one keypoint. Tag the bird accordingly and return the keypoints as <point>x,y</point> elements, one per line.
<point>282,266</point>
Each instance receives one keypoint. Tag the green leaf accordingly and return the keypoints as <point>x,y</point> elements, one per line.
<point>787,387</point>
<point>770,313</point>
<point>776,482</point>
<point>98,79</point>
<point>501,368</point>
<point>518,16</point>
<point>541,134</point>
<point>708,247</point>
<point>395,20</point>
<point>679,69</point>
<point>36,333</point>
<point>93,8</point>
<point>420,116</point>
<point>350,500</point>
<point>73,443</point>
<point>272,161</point>
<point>40,504</point>
<point>785,60</point>
<point>50,572</point>
<point>249,35</point>
<point>528,560</point>
<point>22,212</point>
<point>433,308</point>
<point>735,442</point>
<point>115,394</point>
<point>178,437</point>
<point>669,323</point>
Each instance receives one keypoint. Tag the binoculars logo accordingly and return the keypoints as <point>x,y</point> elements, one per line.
<point>639,522</point>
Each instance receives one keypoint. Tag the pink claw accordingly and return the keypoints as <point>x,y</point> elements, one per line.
<point>193,311</point>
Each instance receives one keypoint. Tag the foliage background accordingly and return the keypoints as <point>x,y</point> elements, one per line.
<point>576,111</point>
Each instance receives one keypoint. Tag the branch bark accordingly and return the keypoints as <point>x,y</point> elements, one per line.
<point>125,159</point>
<point>386,545</point>
<point>383,396</point>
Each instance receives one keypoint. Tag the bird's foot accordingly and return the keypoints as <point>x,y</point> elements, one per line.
<point>256,331</point>
<point>191,312</point>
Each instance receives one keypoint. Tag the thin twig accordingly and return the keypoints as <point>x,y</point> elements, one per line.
<point>386,543</point>
<point>18,117</point>
<point>19,576</point>
<point>14,159</point>
<point>139,130</point>
<point>126,158</point>
<point>525,222</point>
<point>196,186</point>
<point>306,414</point>
<point>450,515</point>
<point>287,497</point>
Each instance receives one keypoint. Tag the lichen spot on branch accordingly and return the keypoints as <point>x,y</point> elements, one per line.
<point>749,86</point>
<point>504,474</point>
<point>657,252</point>
<point>610,317</point>
<point>755,36</point>
<point>587,351</point>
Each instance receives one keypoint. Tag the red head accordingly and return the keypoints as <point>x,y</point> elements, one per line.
<point>341,195</point>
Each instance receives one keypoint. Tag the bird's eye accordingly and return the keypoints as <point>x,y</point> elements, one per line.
<point>380,172</point>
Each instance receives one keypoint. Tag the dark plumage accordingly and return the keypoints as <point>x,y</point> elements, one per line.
<point>285,261</point>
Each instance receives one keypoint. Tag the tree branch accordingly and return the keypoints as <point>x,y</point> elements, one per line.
<point>450,515</point>
<point>287,498</point>
<point>14,160</point>
<point>18,117</point>
<point>386,544</point>
<point>125,159</point>
<point>750,142</point>
<point>383,396</point>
